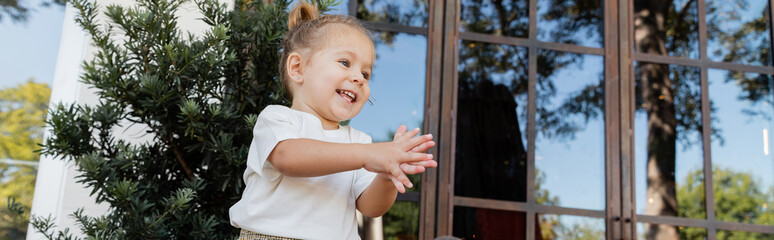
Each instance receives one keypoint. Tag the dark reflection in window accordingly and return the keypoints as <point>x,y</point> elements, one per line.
<point>742,165</point>
<point>668,145</point>
<point>502,18</point>
<point>405,12</point>
<point>683,233</point>
<point>738,31</point>
<point>667,27</point>
<point>570,141</point>
<point>491,121</point>
<point>578,22</point>
<point>480,223</point>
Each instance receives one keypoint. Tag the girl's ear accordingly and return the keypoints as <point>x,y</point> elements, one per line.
<point>294,67</point>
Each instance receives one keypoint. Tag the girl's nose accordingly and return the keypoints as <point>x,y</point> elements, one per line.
<point>358,78</point>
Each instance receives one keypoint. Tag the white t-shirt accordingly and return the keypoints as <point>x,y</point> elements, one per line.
<point>298,207</point>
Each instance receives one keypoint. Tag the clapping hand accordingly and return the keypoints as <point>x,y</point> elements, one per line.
<point>412,167</point>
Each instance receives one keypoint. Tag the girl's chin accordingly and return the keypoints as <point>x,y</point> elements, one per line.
<point>340,117</point>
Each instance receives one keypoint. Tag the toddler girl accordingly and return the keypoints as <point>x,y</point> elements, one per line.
<point>306,174</point>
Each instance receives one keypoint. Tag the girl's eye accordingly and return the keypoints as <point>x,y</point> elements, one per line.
<point>344,62</point>
<point>365,75</point>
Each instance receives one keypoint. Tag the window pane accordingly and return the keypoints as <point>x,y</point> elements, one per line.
<point>743,167</point>
<point>733,235</point>
<point>480,223</point>
<point>402,221</point>
<point>502,18</point>
<point>491,157</point>
<point>575,22</point>
<point>668,141</point>
<point>571,227</point>
<point>738,31</point>
<point>667,27</point>
<point>649,231</point>
<point>405,12</point>
<point>397,86</point>
<point>570,143</point>
<point>398,94</point>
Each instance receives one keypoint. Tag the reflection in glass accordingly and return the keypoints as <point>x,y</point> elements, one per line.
<point>480,223</point>
<point>738,31</point>
<point>569,148</point>
<point>491,121</point>
<point>571,227</point>
<point>398,95</point>
<point>339,9</point>
<point>743,167</point>
<point>405,12</point>
<point>571,21</point>
<point>397,87</point>
<point>668,144</point>
<point>667,27</point>
<point>402,221</point>
<point>502,18</point>
<point>733,235</point>
<point>684,233</point>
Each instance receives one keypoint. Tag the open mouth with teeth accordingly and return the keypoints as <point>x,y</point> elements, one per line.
<point>348,95</point>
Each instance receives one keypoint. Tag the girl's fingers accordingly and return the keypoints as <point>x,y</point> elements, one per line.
<point>400,132</point>
<point>423,147</point>
<point>413,142</point>
<point>401,177</point>
<point>411,169</point>
<point>398,185</point>
<point>412,133</point>
<point>417,157</point>
<point>425,164</point>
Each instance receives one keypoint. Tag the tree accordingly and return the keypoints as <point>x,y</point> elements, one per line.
<point>197,97</point>
<point>23,112</point>
<point>22,115</point>
<point>738,198</point>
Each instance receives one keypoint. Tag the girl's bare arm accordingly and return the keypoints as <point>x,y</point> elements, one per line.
<point>309,158</point>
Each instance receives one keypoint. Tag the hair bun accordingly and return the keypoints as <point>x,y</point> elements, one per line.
<point>302,12</point>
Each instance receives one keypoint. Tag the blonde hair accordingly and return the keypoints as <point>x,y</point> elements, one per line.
<point>305,32</point>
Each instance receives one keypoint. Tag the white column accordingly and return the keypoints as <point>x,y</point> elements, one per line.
<point>55,189</point>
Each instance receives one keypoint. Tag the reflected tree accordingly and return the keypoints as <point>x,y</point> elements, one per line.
<point>18,10</point>
<point>670,102</point>
<point>738,198</point>
<point>387,11</point>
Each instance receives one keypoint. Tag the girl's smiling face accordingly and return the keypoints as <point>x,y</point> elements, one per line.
<point>332,82</point>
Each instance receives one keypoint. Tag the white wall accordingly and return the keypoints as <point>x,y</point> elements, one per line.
<point>56,192</point>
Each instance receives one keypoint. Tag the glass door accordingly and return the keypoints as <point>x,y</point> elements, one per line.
<point>530,102</point>
<point>699,118</point>
<point>579,119</point>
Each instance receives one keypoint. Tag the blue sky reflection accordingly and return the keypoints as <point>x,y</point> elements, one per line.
<point>397,88</point>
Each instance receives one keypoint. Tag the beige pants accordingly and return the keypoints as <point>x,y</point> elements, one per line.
<point>248,235</point>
